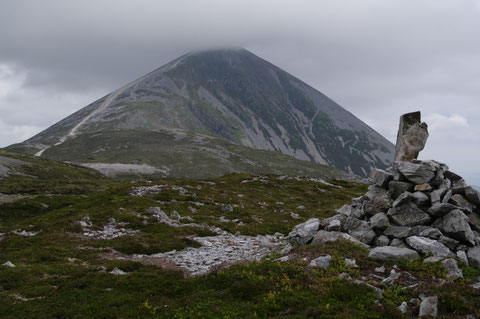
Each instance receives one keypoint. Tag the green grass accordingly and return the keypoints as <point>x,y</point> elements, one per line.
<point>58,276</point>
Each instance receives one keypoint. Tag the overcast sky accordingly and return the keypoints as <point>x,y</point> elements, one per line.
<point>376,58</point>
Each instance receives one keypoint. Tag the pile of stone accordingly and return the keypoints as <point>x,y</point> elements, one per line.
<point>411,209</point>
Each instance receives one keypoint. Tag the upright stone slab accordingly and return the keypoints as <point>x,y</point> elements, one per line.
<point>411,138</point>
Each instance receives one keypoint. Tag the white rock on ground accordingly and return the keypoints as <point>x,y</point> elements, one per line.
<point>9,264</point>
<point>321,262</point>
<point>117,271</point>
<point>429,307</point>
<point>453,272</point>
<point>389,252</point>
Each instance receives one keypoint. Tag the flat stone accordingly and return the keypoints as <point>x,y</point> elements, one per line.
<point>472,195</point>
<point>440,209</point>
<point>473,255</point>
<point>397,231</point>
<point>322,262</point>
<point>416,173</point>
<point>411,138</point>
<point>381,202</point>
<point>117,271</point>
<point>453,272</point>
<point>397,188</point>
<point>9,264</point>
<point>359,229</point>
<point>426,231</point>
<point>380,177</point>
<point>436,195</point>
<point>428,246</point>
<point>322,237</point>
<point>393,253</point>
<point>455,225</point>
<point>363,283</point>
<point>303,233</point>
<point>408,215</point>
<point>429,307</point>
<point>404,198</point>
<point>379,221</point>
<point>447,196</point>
<point>433,259</point>
<point>333,223</point>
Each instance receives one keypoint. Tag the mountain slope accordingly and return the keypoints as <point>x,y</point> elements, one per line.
<point>234,95</point>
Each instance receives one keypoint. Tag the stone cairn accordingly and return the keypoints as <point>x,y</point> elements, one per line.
<point>412,209</point>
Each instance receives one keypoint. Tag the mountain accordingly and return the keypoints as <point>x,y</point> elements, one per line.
<point>214,107</point>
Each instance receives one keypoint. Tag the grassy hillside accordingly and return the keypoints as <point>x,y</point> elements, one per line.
<point>61,272</point>
<point>181,155</point>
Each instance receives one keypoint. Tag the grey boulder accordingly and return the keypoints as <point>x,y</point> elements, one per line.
<point>380,177</point>
<point>322,237</point>
<point>472,195</point>
<point>392,253</point>
<point>396,188</point>
<point>359,229</point>
<point>455,225</point>
<point>303,233</point>
<point>397,231</point>
<point>379,221</point>
<point>408,215</point>
<point>429,307</point>
<point>428,246</point>
<point>453,272</point>
<point>321,262</point>
<point>473,255</point>
<point>417,173</point>
<point>440,209</point>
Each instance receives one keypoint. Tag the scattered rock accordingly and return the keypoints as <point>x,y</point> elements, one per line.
<point>463,257</point>
<point>403,308</point>
<point>429,307</point>
<point>351,263</point>
<point>117,271</point>
<point>379,221</point>
<point>455,225</point>
<point>417,173</point>
<point>9,264</point>
<point>392,253</point>
<point>380,269</point>
<point>363,283</point>
<point>303,233</point>
<point>453,272</point>
<point>323,236</point>
<point>321,262</point>
<point>426,245</point>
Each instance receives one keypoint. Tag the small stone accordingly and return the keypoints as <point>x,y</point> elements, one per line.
<point>9,264</point>
<point>321,262</point>
<point>411,138</point>
<point>453,272</point>
<point>117,271</point>
<point>463,203</point>
<point>472,195</point>
<point>421,199</point>
<point>380,269</point>
<point>426,245</point>
<point>436,195</point>
<point>429,307</point>
<point>351,263</point>
<point>397,231</point>
<point>227,208</point>
<point>403,199</point>
<point>379,221</point>
<point>458,187</point>
<point>473,255</point>
<point>377,290</point>
<point>447,196</point>
<point>345,210</point>
<point>448,242</point>
<point>380,177</point>
<point>175,215</point>
<point>322,237</point>
<point>300,207</point>
<point>433,259</point>
<point>345,276</point>
<point>408,215</point>
<point>392,253</point>
<point>423,188</point>
<point>303,233</point>
<point>403,308</point>
<point>462,256</point>
<point>452,176</point>
<point>440,209</point>
<point>455,225</point>
<point>396,188</point>
<point>381,240</point>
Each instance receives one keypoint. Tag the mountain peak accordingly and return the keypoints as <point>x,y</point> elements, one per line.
<point>225,93</point>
